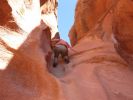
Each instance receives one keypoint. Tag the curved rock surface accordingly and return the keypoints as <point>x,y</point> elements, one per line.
<point>101,38</point>
<point>24,58</point>
<point>111,19</point>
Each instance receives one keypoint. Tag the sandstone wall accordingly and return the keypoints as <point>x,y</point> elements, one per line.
<point>87,14</point>
<point>6,18</point>
<point>101,57</point>
<point>97,71</point>
<point>25,56</point>
<point>112,18</point>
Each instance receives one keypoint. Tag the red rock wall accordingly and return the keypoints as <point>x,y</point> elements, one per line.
<point>5,18</point>
<point>101,57</point>
<point>24,71</point>
<point>96,71</point>
<point>87,14</point>
<point>111,17</point>
<point>26,76</point>
<point>122,28</point>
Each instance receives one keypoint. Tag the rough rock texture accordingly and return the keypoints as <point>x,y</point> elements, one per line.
<point>103,59</point>
<point>112,18</point>
<point>24,60</point>
<point>5,18</point>
<point>87,15</point>
<point>49,15</point>
<point>122,28</point>
<point>96,70</point>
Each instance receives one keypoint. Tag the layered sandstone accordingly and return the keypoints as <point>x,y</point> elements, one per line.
<point>25,53</point>
<point>112,18</point>
<point>101,38</point>
<point>102,57</point>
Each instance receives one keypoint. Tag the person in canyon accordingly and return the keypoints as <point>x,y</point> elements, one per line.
<point>59,46</point>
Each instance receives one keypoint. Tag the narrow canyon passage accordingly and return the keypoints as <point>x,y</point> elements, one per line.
<point>101,59</point>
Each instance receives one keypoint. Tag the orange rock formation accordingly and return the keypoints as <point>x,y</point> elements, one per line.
<point>100,65</point>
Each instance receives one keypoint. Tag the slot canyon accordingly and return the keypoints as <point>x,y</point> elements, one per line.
<point>101,56</point>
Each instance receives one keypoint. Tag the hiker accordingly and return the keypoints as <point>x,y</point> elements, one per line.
<point>59,46</point>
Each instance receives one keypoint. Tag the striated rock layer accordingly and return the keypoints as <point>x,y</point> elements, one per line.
<point>100,65</point>
<point>109,19</point>
<point>102,57</point>
<point>24,55</point>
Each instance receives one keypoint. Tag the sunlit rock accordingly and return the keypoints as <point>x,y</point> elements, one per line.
<point>101,38</point>
<point>49,15</point>
<point>25,53</point>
